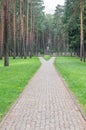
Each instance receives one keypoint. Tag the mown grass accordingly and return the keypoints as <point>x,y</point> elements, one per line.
<point>74,73</point>
<point>13,80</point>
<point>47,57</point>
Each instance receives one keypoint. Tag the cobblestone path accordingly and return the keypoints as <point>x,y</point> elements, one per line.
<point>45,104</point>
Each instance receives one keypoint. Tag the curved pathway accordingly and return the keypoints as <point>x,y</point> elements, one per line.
<point>45,104</point>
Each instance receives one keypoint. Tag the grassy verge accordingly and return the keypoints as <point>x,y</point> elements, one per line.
<point>74,72</point>
<point>47,57</point>
<point>13,80</point>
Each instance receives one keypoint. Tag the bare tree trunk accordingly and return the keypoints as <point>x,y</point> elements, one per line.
<point>27,34</point>
<point>37,42</point>
<point>14,28</point>
<point>0,36</point>
<point>43,40</point>
<point>82,55</point>
<point>6,11</point>
<point>21,28</point>
<point>2,30</point>
<point>31,32</point>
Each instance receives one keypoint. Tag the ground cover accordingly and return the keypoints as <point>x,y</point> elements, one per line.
<point>73,72</point>
<point>13,79</point>
<point>47,57</point>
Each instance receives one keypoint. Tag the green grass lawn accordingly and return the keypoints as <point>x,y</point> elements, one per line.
<point>47,57</point>
<point>74,73</point>
<point>13,80</point>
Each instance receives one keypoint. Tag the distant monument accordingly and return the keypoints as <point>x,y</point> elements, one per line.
<point>48,49</point>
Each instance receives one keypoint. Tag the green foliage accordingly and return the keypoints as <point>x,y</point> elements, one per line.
<point>59,27</point>
<point>41,51</point>
<point>13,80</point>
<point>71,19</point>
<point>38,14</point>
<point>53,50</point>
<point>47,57</point>
<point>0,4</point>
<point>74,73</point>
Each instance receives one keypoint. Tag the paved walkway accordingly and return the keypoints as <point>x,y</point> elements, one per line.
<point>45,104</point>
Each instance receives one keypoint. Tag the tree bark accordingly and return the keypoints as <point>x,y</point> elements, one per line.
<point>31,32</point>
<point>14,29</point>
<point>1,37</point>
<point>6,11</point>
<point>27,34</point>
<point>21,28</point>
<point>2,30</point>
<point>82,55</point>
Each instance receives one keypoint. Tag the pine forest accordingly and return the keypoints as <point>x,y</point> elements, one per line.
<point>26,30</point>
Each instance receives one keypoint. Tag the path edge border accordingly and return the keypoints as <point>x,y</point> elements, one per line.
<point>71,94</point>
<point>17,99</point>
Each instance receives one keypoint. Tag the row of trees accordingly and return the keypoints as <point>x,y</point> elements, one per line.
<point>71,28</point>
<point>75,18</point>
<point>67,28</point>
<point>25,29</point>
<point>20,27</point>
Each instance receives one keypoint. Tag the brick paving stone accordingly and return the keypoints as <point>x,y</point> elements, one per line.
<point>45,104</point>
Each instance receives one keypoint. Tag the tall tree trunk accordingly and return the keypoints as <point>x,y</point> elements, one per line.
<point>0,36</point>
<point>37,42</point>
<point>24,28</point>
<point>27,34</point>
<point>43,40</point>
<point>82,55</point>
<point>31,31</point>
<point>21,28</point>
<point>22,33</point>
<point>2,30</point>
<point>14,29</point>
<point>6,11</point>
